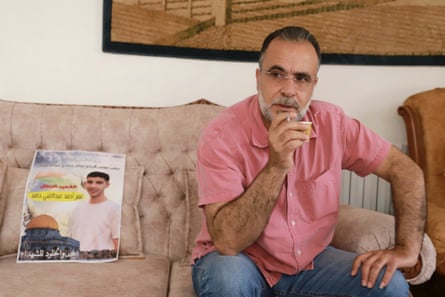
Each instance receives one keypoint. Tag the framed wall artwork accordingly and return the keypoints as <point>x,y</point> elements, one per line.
<point>379,32</point>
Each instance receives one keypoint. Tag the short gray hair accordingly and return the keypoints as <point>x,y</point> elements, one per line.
<point>290,33</point>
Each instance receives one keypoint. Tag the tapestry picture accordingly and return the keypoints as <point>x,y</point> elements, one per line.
<point>400,32</point>
<point>72,207</point>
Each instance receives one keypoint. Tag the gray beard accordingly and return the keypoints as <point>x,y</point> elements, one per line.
<point>267,114</point>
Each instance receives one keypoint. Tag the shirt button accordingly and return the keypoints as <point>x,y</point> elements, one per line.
<point>298,252</point>
<point>293,223</point>
<point>290,194</point>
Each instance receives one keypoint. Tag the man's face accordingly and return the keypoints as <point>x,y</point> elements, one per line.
<point>287,78</point>
<point>96,186</point>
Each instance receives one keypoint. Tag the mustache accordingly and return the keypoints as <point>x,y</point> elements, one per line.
<point>286,101</point>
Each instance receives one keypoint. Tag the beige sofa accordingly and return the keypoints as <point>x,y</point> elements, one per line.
<point>160,218</point>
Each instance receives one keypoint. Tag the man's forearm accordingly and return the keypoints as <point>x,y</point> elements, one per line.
<point>409,205</point>
<point>236,225</point>
<point>410,211</point>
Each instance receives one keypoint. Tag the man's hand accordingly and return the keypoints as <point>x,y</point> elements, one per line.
<point>285,135</point>
<point>371,263</point>
<point>408,189</point>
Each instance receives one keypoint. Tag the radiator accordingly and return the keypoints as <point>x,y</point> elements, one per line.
<point>369,192</point>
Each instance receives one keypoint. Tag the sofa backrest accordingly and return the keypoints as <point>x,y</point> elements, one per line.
<point>161,140</point>
<point>424,115</point>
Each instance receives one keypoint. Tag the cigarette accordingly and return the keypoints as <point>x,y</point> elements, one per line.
<point>287,118</point>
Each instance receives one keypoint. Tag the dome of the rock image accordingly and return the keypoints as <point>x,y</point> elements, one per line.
<point>43,221</point>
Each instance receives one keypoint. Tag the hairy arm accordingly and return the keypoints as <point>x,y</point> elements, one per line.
<point>237,224</point>
<point>408,191</point>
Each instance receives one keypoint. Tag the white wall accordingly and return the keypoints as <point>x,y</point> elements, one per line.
<point>50,51</point>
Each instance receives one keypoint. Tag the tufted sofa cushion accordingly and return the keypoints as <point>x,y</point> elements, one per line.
<point>131,234</point>
<point>11,195</point>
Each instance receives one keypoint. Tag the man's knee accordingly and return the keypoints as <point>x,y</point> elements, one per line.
<point>218,275</point>
<point>397,287</point>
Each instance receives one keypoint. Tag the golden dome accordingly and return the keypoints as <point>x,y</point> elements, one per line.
<point>43,221</point>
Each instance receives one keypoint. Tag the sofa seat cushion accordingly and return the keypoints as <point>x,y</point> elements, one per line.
<point>181,280</point>
<point>125,277</point>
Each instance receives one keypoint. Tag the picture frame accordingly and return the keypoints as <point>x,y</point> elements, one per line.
<point>130,27</point>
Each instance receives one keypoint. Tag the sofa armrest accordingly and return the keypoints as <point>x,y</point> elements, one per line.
<point>361,230</point>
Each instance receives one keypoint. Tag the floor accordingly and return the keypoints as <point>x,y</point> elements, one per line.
<point>435,287</point>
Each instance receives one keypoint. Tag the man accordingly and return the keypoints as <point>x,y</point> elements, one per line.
<point>270,193</point>
<point>96,222</point>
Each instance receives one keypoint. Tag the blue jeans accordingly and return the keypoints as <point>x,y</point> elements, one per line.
<point>215,275</point>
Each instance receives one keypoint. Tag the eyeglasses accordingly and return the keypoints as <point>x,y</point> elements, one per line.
<point>301,80</point>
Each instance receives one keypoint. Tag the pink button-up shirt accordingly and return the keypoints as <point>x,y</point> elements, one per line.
<point>234,148</point>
